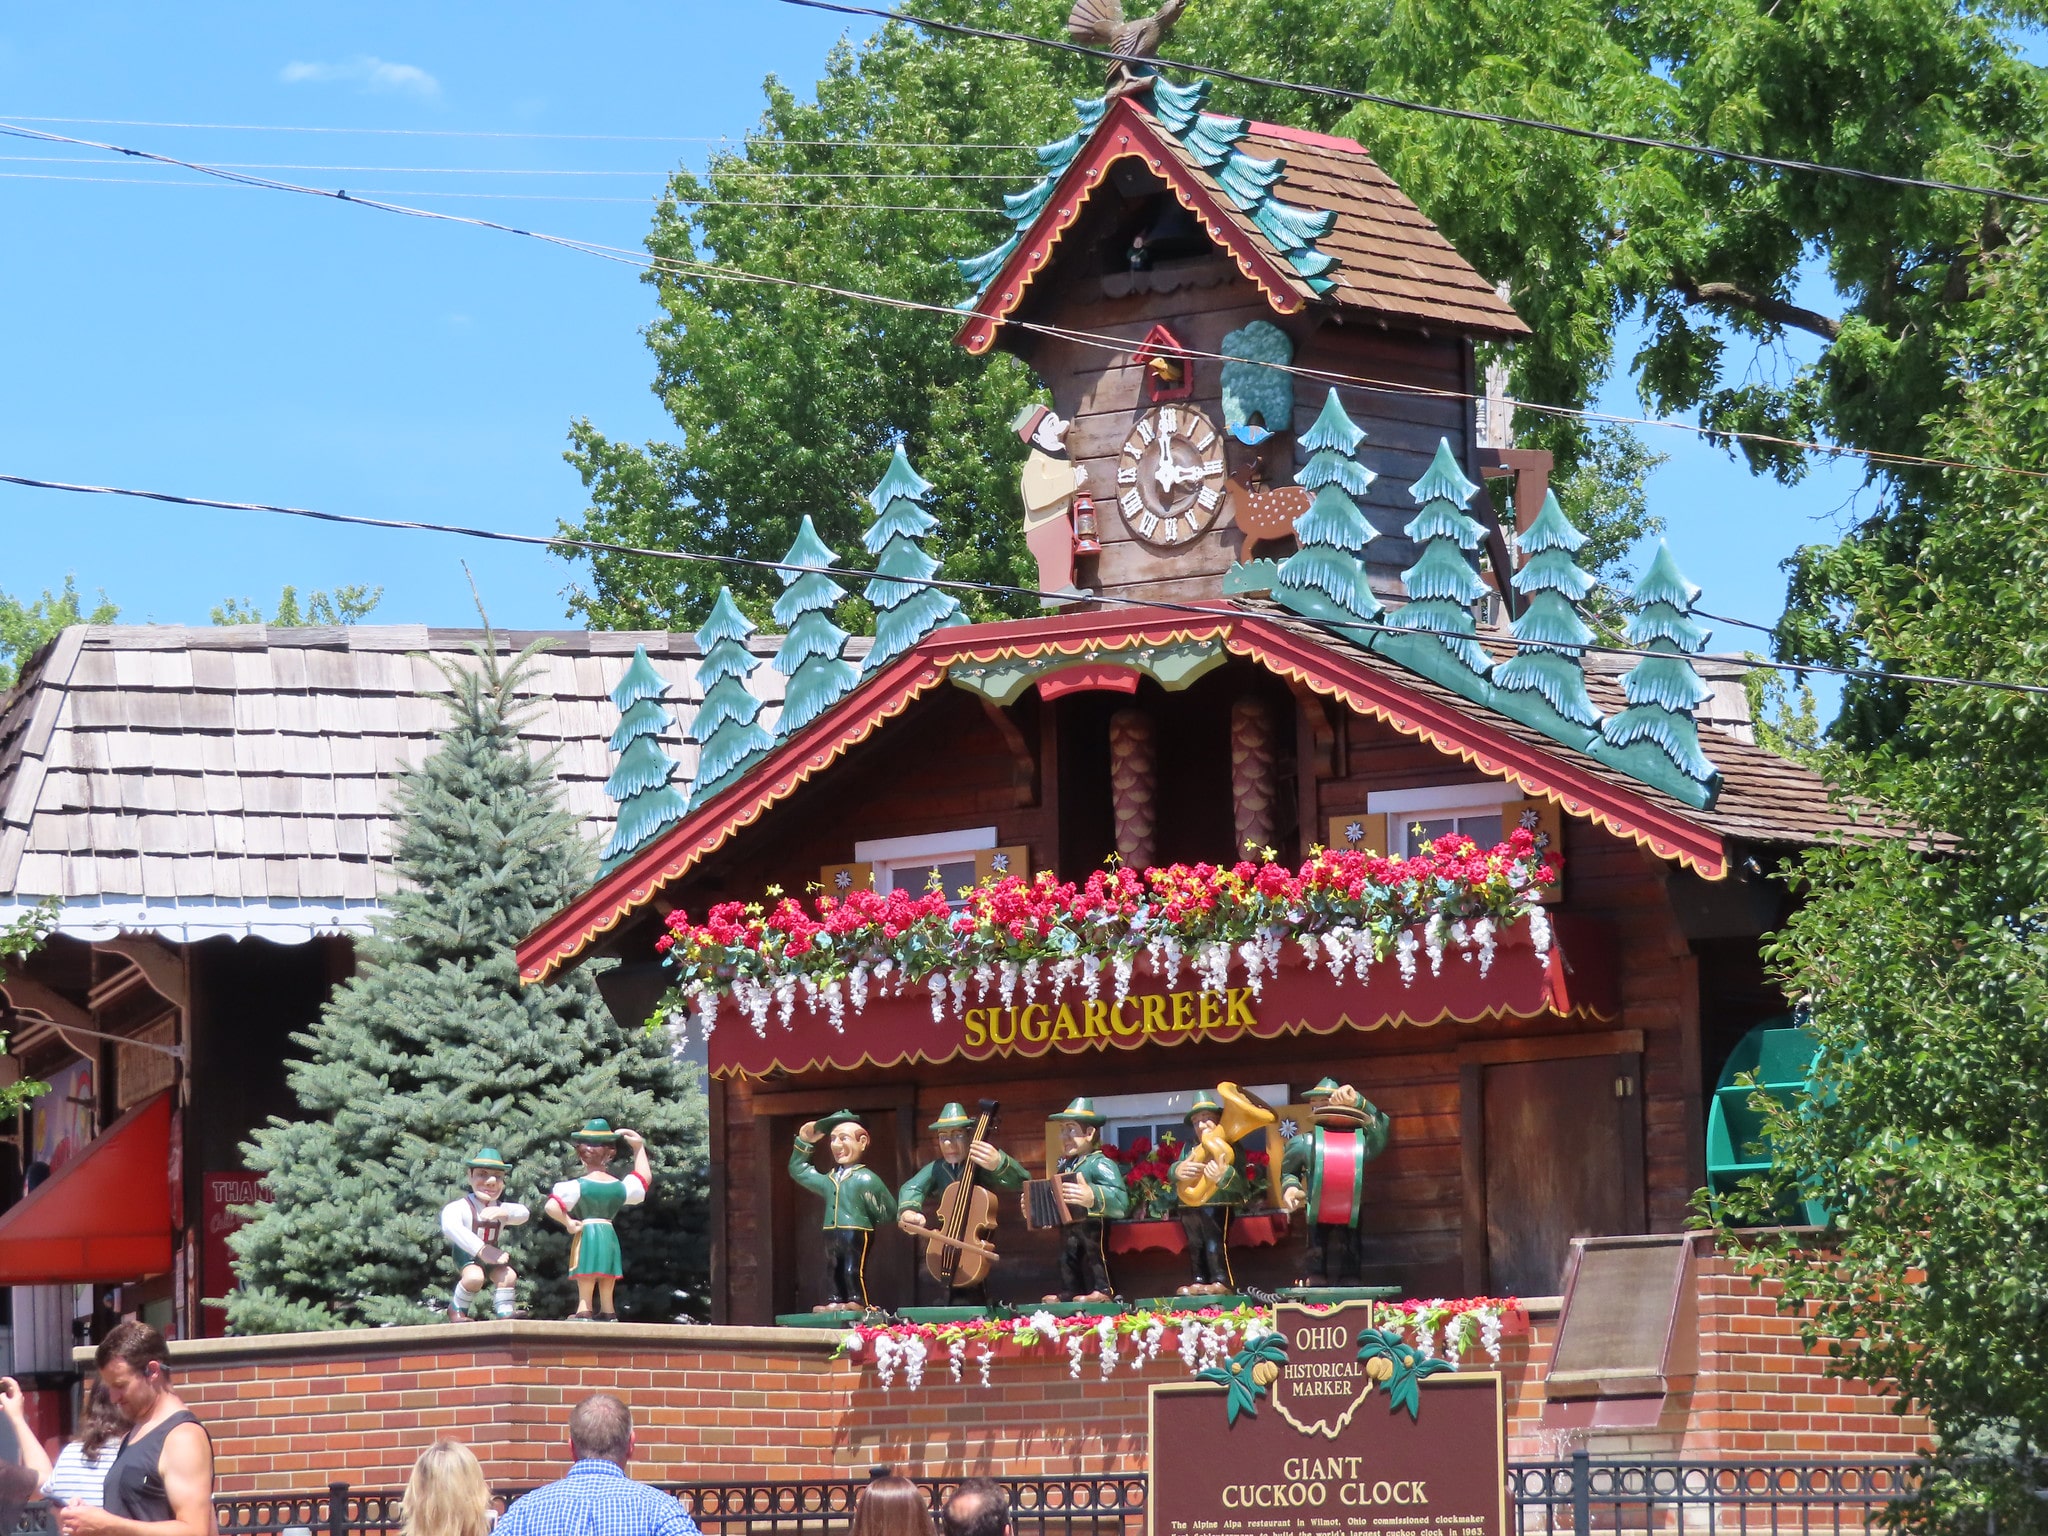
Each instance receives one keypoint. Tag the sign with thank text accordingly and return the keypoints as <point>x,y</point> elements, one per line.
<point>1329,1427</point>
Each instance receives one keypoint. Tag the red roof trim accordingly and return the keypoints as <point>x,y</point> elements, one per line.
<point>1306,136</point>
<point>1125,132</point>
<point>1364,689</point>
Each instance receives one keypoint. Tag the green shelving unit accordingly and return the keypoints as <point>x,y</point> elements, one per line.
<point>1781,1056</point>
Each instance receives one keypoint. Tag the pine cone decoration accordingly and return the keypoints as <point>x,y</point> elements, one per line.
<point>1252,786</point>
<point>1134,785</point>
<point>1265,1373</point>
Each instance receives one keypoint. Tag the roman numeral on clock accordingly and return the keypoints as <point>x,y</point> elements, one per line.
<point>1169,421</point>
<point>1145,430</point>
<point>1127,475</point>
<point>1213,467</point>
<point>1202,443</point>
<point>1170,530</point>
<point>1208,497</point>
<point>1148,525</point>
<point>1133,505</point>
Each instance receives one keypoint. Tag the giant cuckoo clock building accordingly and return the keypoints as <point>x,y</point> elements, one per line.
<point>1296,601</point>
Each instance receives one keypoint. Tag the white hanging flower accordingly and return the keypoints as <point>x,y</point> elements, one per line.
<point>1404,954</point>
<point>1009,983</point>
<point>1307,942</point>
<point>885,1361</point>
<point>1076,1342</point>
<point>835,1005</point>
<point>1091,981</point>
<point>707,1011</point>
<point>1150,1341</point>
<point>1105,1331</point>
<point>1539,932</point>
<point>1254,959</point>
<point>1122,965</point>
<point>850,1342</point>
<point>1170,943</point>
<point>1489,1332</point>
<point>1191,1332</point>
<point>956,1357</point>
<point>958,982</point>
<point>1031,980</point>
<point>857,987</point>
<point>1483,936</point>
<point>1255,1331</point>
<point>1044,1324</point>
<point>913,1362</point>
<point>937,986</point>
<point>984,1360</point>
<point>1433,942</point>
<point>984,978</point>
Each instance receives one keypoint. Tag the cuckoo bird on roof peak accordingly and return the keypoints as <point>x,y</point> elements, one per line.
<point>1101,24</point>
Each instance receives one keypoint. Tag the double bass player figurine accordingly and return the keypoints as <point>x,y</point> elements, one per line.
<point>961,1151</point>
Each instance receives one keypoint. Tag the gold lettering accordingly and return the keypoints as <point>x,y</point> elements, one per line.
<point>1064,1027</point>
<point>1240,1008</point>
<point>1033,1014</point>
<point>1212,1010</point>
<point>1116,1018</point>
<point>1183,1010</point>
<point>1095,1012</point>
<point>996,1014</point>
<point>1155,1013</point>
<point>977,1032</point>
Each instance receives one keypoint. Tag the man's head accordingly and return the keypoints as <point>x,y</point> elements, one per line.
<point>135,1367</point>
<point>849,1143</point>
<point>600,1429</point>
<point>954,1128</point>
<point>977,1507</point>
<point>953,1145</point>
<point>1041,429</point>
<point>1080,1127</point>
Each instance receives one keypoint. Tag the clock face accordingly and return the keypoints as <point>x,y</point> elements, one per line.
<point>1170,477</point>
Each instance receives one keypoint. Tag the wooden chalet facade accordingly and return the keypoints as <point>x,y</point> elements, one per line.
<point>1539,1099</point>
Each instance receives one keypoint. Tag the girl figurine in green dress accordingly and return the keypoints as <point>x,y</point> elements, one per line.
<point>595,1259</point>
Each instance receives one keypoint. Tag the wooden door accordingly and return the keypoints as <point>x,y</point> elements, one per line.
<point>1560,1156</point>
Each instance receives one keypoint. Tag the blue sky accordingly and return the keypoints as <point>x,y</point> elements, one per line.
<point>256,346</point>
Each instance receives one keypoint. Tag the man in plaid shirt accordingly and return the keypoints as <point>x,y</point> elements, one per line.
<point>597,1498</point>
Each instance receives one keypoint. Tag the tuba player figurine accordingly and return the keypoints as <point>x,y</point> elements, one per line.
<point>856,1202</point>
<point>473,1226</point>
<point>1210,1188</point>
<point>1323,1174</point>
<point>1093,1185</point>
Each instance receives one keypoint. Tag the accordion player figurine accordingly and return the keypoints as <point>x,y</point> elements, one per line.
<point>1088,1187</point>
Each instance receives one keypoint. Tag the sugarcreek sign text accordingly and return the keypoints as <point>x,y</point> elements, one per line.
<point>1106,1019</point>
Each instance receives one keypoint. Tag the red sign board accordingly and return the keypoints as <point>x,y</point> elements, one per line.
<point>219,1194</point>
<point>1330,1447</point>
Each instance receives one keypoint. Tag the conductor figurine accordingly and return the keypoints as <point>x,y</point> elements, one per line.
<point>473,1225</point>
<point>1093,1185</point>
<point>994,1167</point>
<point>856,1202</point>
<point>1323,1173</point>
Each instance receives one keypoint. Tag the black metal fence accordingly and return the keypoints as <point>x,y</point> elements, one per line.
<point>1580,1494</point>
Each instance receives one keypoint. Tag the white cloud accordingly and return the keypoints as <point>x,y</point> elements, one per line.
<point>366,73</point>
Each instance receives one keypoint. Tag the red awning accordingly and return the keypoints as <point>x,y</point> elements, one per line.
<point>105,1216</point>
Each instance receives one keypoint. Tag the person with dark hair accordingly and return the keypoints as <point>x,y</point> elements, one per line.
<point>28,1451</point>
<point>80,1475</point>
<point>161,1480</point>
<point>892,1506</point>
<point>597,1498</point>
<point>977,1507</point>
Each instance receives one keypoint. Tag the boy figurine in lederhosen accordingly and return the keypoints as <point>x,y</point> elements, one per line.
<point>856,1202</point>
<point>1093,1185</point>
<point>586,1206</point>
<point>473,1226</point>
<point>993,1168</point>
<point>1323,1173</point>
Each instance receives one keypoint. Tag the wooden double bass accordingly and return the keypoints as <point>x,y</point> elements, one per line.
<point>957,1254</point>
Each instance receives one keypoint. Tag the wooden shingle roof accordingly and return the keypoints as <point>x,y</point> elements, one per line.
<point>193,782</point>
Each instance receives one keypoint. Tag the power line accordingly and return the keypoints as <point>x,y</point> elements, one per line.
<point>1466,114</point>
<point>700,557</point>
<point>472,133</point>
<point>783,173</point>
<point>1098,339</point>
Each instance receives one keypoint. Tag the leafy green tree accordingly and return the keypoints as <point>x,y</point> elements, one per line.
<point>26,628</point>
<point>20,937</point>
<point>1923,964</point>
<point>434,1048</point>
<point>344,605</point>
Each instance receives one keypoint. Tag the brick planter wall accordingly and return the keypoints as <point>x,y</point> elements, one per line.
<point>298,1411</point>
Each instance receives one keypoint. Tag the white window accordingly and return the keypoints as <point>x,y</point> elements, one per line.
<point>1418,816</point>
<point>909,863</point>
<point>1135,1117</point>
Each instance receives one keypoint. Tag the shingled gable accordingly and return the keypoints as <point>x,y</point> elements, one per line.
<point>1766,801</point>
<point>1390,262</point>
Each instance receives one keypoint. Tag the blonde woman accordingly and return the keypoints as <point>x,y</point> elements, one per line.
<point>446,1496</point>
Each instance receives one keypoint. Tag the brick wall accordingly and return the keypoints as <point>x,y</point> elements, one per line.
<point>299,1411</point>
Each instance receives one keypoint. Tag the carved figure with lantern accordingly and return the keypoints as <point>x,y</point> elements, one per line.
<point>964,1178</point>
<point>1323,1174</point>
<point>1210,1184</point>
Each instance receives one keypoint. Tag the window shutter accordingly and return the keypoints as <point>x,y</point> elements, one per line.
<point>1366,834</point>
<point>839,879</point>
<point>995,863</point>
<point>1544,819</point>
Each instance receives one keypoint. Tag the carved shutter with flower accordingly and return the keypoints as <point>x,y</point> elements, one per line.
<point>1543,818</point>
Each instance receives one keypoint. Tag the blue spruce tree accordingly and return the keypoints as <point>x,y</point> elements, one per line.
<point>640,782</point>
<point>726,729</point>
<point>813,649</point>
<point>1442,586</point>
<point>905,611</point>
<point>1324,578</point>
<point>1550,637</point>
<point>1663,689</point>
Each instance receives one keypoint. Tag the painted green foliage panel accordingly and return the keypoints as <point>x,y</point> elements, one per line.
<point>640,779</point>
<point>727,731</point>
<point>1442,585</point>
<point>813,647</point>
<point>1325,578</point>
<point>905,609</point>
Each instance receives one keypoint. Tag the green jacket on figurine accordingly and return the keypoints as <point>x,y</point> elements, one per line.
<point>855,1197</point>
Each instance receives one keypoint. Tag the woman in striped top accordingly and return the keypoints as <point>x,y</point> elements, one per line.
<point>80,1475</point>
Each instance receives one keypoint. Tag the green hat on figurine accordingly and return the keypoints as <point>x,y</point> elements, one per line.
<point>1321,1090</point>
<point>1081,1112</point>
<point>825,1125</point>
<point>1205,1100</point>
<point>595,1133</point>
<point>488,1160</point>
<point>952,1118</point>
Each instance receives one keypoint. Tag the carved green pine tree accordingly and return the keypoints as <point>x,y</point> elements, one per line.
<point>726,728</point>
<point>905,610</point>
<point>1550,637</point>
<point>812,655</point>
<point>1442,586</point>
<point>1663,689</point>
<point>640,781</point>
<point>1324,578</point>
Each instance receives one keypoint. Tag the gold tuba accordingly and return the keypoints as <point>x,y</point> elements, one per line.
<point>1243,1113</point>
